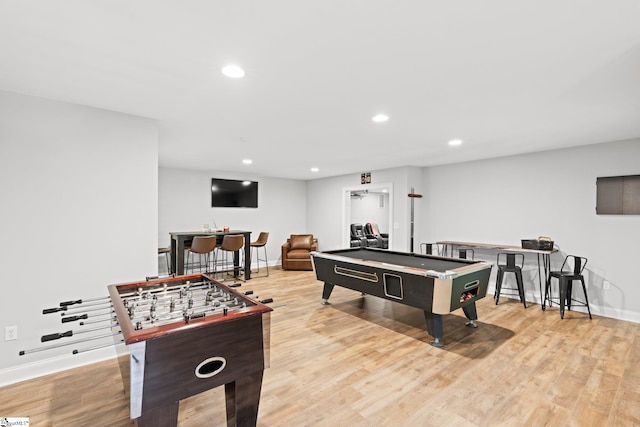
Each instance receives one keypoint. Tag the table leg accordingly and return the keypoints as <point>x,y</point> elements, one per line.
<point>242,399</point>
<point>434,327</point>
<point>180,256</point>
<point>247,256</point>
<point>174,251</point>
<point>164,416</point>
<point>471,313</point>
<point>326,293</point>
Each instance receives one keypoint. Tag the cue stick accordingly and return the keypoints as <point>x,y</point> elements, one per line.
<point>412,196</point>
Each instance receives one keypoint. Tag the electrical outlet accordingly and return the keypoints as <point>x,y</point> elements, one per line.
<point>606,285</point>
<point>10,333</point>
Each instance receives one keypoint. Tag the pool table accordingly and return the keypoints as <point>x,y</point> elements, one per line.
<point>437,285</point>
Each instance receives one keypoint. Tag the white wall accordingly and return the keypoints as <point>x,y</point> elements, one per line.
<point>184,204</point>
<point>79,212</point>
<point>326,213</point>
<point>550,193</point>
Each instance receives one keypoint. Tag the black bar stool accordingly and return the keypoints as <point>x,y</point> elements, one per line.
<point>509,262</point>
<point>566,275</point>
<point>462,253</point>
<point>430,249</point>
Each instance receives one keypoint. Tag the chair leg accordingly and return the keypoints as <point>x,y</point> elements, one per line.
<point>498,285</point>
<point>586,298</point>
<point>569,293</point>
<point>266,261</point>
<point>563,295</point>
<point>520,288</point>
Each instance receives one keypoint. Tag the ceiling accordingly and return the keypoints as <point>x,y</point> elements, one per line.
<point>505,77</point>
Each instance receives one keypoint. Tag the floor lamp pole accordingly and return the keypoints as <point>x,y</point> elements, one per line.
<point>412,196</point>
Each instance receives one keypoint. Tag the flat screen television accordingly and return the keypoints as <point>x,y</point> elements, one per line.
<point>232,193</point>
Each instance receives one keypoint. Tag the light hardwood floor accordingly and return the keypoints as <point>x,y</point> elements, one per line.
<point>363,361</point>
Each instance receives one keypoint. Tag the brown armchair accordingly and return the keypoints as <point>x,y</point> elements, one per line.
<point>296,253</point>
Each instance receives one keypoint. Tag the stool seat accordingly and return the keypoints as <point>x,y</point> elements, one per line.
<point>510,262</point>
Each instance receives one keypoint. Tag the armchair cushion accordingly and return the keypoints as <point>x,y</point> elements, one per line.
<point>301,241</point>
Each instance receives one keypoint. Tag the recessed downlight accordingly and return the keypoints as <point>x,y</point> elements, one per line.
<point>233,71</point>
<point>380,118</point>
<point>314,169</point>
<point>247,161</point>
<point>455,142</point>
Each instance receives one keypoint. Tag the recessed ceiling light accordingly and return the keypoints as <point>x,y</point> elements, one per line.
<point>455,142</point>
<point>379,118</point>
<point>247,161</point>
<point>233,71</point>
<point>314,169</point>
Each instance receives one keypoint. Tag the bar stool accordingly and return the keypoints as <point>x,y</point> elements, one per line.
<point>231,243</point>
<point>430,249</point>
<point>202,246</point>
<point>261,243</point>
<point>566,275</point>
<point>509,262</point>
<point>462,253</point>
<point>167,254</point>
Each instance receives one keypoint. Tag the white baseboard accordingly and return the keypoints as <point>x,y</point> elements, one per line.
<point>49,366</point>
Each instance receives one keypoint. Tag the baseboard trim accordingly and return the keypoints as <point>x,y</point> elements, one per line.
<point>40,368</point>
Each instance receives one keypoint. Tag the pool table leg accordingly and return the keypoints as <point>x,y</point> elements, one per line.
<point>471,313</point>
<point>434,327</point>
<point>326,293</point>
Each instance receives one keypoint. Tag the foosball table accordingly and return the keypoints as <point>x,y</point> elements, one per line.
<point>189,334</point>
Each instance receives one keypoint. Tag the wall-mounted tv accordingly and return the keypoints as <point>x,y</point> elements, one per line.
<point>232,193</point>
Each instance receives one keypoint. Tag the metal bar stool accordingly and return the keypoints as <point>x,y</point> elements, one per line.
<point>430,249</point>
<point>202,246</point>
<point>261,242</point>
<point>167,254</point>
<point>566,275</point>
<point>231,244</point>
<point>462,253</point>
<point>509,262</point>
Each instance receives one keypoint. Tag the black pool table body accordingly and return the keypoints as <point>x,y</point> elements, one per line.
<point>437,285</point>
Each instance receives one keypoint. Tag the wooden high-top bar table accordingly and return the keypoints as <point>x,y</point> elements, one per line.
<point>545,255</point>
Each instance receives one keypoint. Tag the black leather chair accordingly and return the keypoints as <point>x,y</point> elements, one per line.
<point>509,262</point>
<point>571,270</point>
<point>359,239</point>
<point>371,231</point>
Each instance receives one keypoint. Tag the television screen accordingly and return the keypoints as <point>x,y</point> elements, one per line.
<point>231,193</point>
